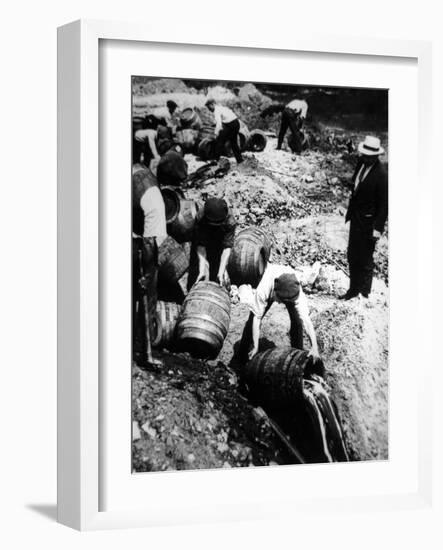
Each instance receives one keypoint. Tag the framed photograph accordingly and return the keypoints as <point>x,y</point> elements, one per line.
<point>241,281</point>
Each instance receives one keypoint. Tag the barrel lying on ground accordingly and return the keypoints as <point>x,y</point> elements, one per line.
<point>249,256</point>
<point>275,376</point>
<point>257,141</point>
<point>204,320</point>
<point>166,319</point>
<point>172,261</point>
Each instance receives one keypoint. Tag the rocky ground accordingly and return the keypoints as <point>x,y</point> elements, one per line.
<point>193,414</point>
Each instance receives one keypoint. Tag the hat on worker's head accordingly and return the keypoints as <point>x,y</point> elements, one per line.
<point>216,211</point>
<point>171,104</point>
<point>370,146</point>
<point>287,287</point>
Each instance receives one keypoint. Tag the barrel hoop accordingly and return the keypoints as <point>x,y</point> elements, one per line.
<point>206,299</point>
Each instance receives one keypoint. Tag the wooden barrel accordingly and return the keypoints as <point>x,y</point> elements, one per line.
<point>167,317</point>
<point>172,261</point>
<point>189,118</point>
<point>204,320</point>
<point>181,227</point>
<point>187,139</point>
<point>275,376</point>
<point>249,256</point>
<point>257,141</point>
<point>171,197</point>
<point>205,149</point>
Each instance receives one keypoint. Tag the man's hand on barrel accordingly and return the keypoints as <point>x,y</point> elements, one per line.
<point>314,354</point>
<point>202,276</point>
<point>221,277</point>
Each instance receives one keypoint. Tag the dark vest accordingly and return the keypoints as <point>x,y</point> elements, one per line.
<point>141,182</point>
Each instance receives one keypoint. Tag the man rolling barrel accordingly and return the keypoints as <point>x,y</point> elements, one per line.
<point>279,283</point>
<point>148,232</point>
<point>227,127</point>
<point>292,117</point>
<point>213,240</point>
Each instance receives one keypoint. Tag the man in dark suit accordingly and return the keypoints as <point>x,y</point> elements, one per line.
<point>367,214</point>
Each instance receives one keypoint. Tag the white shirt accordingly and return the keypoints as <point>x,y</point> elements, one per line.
<point>161,112</point>
<point>222,115</point>
<point>153,206</point>
<point>264,294</point>
<point>150,136</point>
<point>299,105</point>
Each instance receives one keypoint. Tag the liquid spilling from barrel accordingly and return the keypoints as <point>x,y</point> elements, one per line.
<point>204,320</point>
<point>289,385</point>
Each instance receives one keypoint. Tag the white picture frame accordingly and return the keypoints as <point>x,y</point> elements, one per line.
<point>79,295</point>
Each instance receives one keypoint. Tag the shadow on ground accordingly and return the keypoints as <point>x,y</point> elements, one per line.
<point>48,511</point>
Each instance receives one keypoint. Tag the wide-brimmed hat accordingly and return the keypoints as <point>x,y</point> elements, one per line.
<point>370,146</point>
<point>216,211</point>
<point>287,287</point>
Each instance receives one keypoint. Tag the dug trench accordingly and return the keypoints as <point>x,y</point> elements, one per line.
<point>195,414</point>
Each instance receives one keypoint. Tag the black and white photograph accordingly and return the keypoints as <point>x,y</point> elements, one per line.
<point>260,274</point>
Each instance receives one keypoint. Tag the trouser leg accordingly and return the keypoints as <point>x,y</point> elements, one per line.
<point>234,128</point>
<point>284,124</point>
<point>367,266</point>
<point>193,267</point>
<point>220,142</point>
<point>360,258</point>
<point>145,250</point>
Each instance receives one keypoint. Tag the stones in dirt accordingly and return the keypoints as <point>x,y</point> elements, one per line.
<point>353,339</point>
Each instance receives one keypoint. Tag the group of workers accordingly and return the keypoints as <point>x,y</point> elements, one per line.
<point>214,230</point>
<point>161,125</point>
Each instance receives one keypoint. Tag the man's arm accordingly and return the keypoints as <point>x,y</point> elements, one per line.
<point>381,196</point>
<point>153,146</point>
<point>256,321</point>
<point>223,263</point>
<point>303,311</point>
<point>218,121</point>
<point>202,263</point>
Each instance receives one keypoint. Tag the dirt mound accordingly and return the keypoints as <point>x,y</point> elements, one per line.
<point>253,195</point>
<point>353,339</point>
<point>191,415</point>
<point>144,86</point>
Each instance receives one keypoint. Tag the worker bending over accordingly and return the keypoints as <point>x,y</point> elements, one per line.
<point>213,240</point>
<point>293,116</point>
<point>227,127</point>
<point>279,283</point>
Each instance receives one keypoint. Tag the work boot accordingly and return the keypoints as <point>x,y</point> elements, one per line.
<point>348,295</point>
